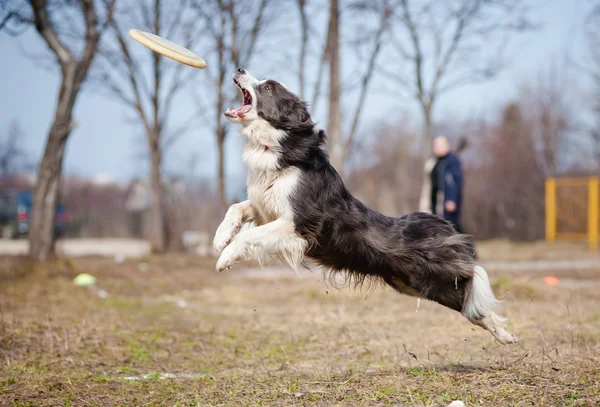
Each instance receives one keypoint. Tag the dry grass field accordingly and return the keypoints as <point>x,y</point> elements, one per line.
<point>173,332</point>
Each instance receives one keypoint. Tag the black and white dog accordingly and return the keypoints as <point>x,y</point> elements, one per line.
<point>304,214</point>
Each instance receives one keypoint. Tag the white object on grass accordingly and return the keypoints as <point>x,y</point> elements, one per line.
<point>99,291</point>
<point>89,281</point>
<point>84,280</point>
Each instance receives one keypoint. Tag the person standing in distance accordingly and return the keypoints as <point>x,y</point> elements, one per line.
<point>446,183</point>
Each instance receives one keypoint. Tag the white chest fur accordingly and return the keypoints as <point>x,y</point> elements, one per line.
<point>262,146</point>
<point>269,193</point>
<point>269,188</point>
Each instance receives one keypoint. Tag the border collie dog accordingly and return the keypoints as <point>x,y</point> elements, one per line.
<point>303,213</point>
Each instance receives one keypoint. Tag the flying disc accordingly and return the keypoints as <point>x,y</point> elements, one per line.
<point>168,48</point>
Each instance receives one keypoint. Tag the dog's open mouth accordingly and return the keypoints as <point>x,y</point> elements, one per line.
<point>246,106</point>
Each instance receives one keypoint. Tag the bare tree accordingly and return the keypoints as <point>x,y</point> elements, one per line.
<point>339,142</point>
<point>303,44</point>
<point>545,105</point>
<point>320,71</point>
<point>516,204</point>
<point>13,157</point>
<point>234,29</point>
<point>592,68</point>
<point>12,16</point>
<point>148,85</point>
<point>334,115</point>
<point>383,11</point>
<point>384,178</point>
<point>58,26</point>
<point>447,44</point>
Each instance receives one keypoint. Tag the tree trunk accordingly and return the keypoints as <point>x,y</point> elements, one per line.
<point>73,73</point>
<point>428,162</point>
<point>158,235</point>
<point>303,45</point>
<point>220,131</point>
<point>334,123</point>
<point>45,195</point>
<point>427,132</point>
<point>221,169</point>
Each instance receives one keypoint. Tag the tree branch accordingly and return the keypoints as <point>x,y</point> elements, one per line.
<point>386,13</point>
<point>463,21</point>
<point>176,85</point>
<point>133,80</point>
<point>6,19</point>
<point>255,31</point>
<point>44,27</point>
<point>177,17</point>
<point>156,65</point>
<point>418,58</point>
<point>105,80</point>
<point>303,44</point>
<point>92,36</point>
<point>185,126</point>
<point>317,88</point>
<point>110,12</point>
<point>411,88</point>
<point>475,76</point>
<point>234,48</point>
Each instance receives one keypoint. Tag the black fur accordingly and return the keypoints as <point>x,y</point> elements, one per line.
<point>281,108</point>
<point>417,254</point>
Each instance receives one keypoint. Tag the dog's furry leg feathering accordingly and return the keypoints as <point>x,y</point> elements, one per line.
<point>480,306</point>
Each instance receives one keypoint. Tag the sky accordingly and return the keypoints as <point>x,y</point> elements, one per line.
<point>104,145</point>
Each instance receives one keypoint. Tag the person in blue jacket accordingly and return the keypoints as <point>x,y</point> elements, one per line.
<point>446,183</point>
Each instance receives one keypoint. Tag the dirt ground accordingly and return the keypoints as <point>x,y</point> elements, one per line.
<point>173,332</point>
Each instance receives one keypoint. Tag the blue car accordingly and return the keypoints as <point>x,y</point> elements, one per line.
<point>15,213</point>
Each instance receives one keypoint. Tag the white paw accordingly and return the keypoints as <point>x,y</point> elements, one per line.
<point>230,255</point>
<point>221,241</point>
<point>225,234</point>
<point>504,336</point>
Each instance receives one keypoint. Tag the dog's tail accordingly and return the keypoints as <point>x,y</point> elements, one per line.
<point>481,300</point>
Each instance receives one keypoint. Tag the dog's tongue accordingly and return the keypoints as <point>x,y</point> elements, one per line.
<point>238,112</point>
<point>244,109</point>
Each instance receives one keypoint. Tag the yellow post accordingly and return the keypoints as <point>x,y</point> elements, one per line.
<point>550,209</point>
<point>593,209</point>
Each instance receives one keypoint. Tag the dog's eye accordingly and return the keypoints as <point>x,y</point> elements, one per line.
<point>266,87</point>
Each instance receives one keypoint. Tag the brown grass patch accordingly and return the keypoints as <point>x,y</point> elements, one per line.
<point>506,250</point>
<point>174,332</point>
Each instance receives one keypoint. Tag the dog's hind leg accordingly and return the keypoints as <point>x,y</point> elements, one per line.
<point>480,305</point>
<point>497,327</point>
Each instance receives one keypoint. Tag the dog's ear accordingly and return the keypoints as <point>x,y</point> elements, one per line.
<point>294,115</point>
<point>282,109</point>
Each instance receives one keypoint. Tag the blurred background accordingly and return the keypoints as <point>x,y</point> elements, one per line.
<point>116,161</point>
<point>125,143</point>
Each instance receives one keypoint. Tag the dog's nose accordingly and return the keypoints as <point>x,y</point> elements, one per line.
<point>241,70</point>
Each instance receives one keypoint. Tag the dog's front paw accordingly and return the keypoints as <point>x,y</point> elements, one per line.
<point>221,241</point>
<point>229,256</point>
<point>225,234</point>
